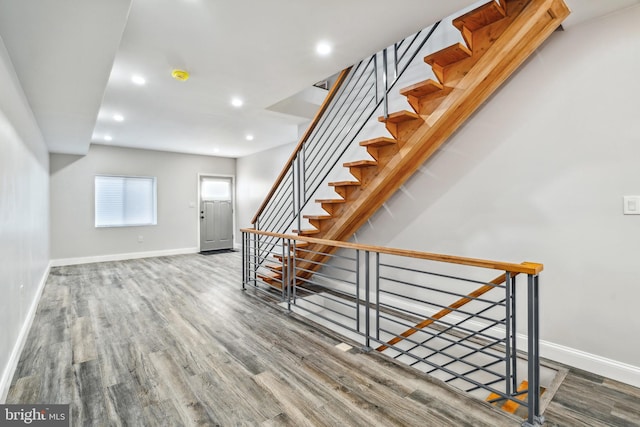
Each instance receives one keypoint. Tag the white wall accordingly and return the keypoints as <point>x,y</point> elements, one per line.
<point>538,174</point>
<point>73,235</point>
<point>256,175</point>
<point>24,218</point>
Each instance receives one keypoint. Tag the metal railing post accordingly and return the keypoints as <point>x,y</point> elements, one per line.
<point>375,73</point>
<point>509,389</point>
<point>385,83</point>
<point>244,260</point>
<point>357,290</point>
<point>366,299</point>
<point>294,274</point>
<point>534,418</point>
<point>395,61</point>
<point>295,194</point>
<point>514,332</point>
<point>254,269</point>
<point>378,296</point>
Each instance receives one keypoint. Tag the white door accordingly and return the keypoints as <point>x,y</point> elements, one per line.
<point>216,214</point>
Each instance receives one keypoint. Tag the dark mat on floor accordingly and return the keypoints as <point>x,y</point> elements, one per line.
<point>218,251</point>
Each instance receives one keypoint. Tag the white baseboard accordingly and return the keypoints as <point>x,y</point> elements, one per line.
<point>599,365</point>
<point>10,369</point>
<point>121,257</point>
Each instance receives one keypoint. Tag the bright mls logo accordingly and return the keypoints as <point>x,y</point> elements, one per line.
<point>35,415</point>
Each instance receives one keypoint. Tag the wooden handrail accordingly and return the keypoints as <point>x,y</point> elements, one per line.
<point>325,104</point>
<point>439,315</point>
<point>524,268</point>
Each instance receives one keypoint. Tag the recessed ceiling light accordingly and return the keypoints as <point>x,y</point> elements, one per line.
<point>237,102</point>
<point>249,137</point>
<point>216,150</point>
<point>138,79</point>
<point>323,48</point>
<point>108,138</point>
<point>118,117</point>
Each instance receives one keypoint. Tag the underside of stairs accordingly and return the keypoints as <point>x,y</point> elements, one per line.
<point>498,37</point>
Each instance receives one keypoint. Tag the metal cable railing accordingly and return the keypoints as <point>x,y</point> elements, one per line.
<point>449,317</point>
<point>359,93</point>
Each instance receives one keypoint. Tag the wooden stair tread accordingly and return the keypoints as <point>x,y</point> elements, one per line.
<point>301,244</point>
<point>317,217</point>
<point>274,267</point>
<point>423,88</point>
<point>479,17</point>
<point>345,184</point>
<point>360,164</point>
<point>511,406</point>
<point>330,201</point>
<point>399,117</point>
<point>271,280</point>
<point>378,142</point>
<point>448,55</point>
<point>307,232</point>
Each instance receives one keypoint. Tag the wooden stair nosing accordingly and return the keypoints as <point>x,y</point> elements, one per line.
<point>330,201</point>
<point>274,267</point>
<point>307,232</point>
<point>318,217</point>
<point>345,184</point>
<point>399,117</point>
<point>360,164</point>
<point>424,88</point>
<point>378,142</point>
<point>300,244</point>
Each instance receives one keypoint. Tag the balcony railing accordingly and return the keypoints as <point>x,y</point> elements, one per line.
<point>455,318</point>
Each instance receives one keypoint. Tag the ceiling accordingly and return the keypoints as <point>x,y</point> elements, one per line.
<point>75,60</point>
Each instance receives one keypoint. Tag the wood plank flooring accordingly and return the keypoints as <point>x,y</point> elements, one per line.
<point>173,341</point>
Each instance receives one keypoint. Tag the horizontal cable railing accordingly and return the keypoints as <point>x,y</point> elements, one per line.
<point>452,317</point>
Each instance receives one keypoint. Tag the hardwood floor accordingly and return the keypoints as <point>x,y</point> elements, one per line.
<point>173,341</point>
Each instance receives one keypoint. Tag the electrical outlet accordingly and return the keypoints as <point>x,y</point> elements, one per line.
<point>140,239</point>
<point>631,205</point>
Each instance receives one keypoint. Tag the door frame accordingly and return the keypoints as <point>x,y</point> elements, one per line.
<point>233,203</point>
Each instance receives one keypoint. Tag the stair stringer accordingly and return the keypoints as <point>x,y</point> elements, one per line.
<point>535,23</point>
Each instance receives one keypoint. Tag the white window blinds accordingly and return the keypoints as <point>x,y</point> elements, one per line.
<point>125,201</point>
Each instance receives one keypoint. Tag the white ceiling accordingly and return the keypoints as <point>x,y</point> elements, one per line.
<point>75,60</point>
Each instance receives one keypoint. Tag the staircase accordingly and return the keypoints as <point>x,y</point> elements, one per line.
<point>498,37</point>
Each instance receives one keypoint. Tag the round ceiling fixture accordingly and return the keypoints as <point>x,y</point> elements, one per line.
<point>180,75</point>
<point>323,48</point>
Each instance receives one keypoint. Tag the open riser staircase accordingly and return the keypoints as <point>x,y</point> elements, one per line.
<point>495,39</point>
<point>498,37</point>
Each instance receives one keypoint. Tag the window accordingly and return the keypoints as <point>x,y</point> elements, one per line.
<point>215,189</point>
<point>125,201</point>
